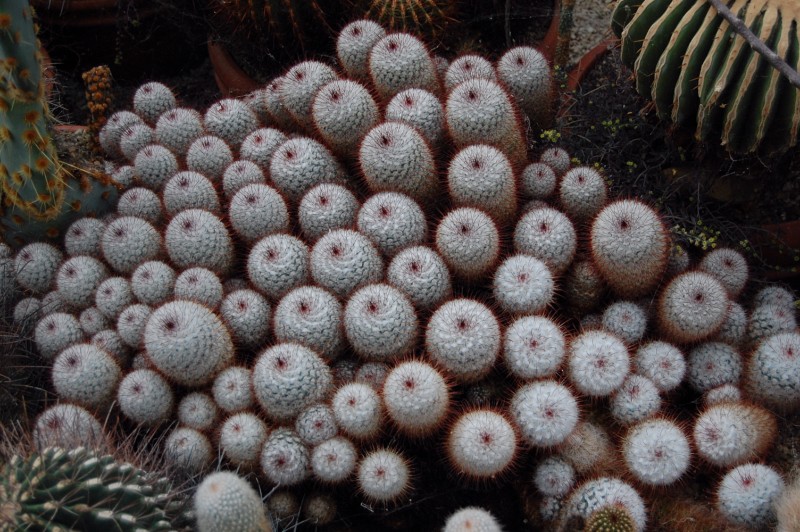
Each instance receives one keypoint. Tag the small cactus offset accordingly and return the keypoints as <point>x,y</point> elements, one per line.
<point>80,489</point>
<point>702,75</point>
<point>39,195</point>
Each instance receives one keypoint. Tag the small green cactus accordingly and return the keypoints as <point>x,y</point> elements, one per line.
<point>704,76</point>
<point>57,489</point>
<point>39,195</point>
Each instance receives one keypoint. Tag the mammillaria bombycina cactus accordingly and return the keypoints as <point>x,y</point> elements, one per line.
<point>399,336</point>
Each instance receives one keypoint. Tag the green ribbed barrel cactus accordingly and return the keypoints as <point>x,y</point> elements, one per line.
<point>39,196</point>
<point>79,489</point>
<point>702,75</point>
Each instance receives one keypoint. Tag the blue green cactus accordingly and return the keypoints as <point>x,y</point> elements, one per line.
<point>39,196</point>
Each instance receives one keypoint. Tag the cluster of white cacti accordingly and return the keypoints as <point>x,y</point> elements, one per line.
<point>356,251</point>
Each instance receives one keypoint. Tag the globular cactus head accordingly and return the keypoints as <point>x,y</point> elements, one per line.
<point>226,501</point>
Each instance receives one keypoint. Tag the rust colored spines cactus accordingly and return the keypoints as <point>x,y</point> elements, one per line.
<point>427,18</point>
<point>97,82</point>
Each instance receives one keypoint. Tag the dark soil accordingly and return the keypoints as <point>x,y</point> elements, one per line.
<point>608,125</point>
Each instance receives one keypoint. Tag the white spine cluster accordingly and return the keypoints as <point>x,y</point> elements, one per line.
<point>598,363</point>
<point>241,438</point>
<point>400,61</point>
<point>226,501</point>
<point>196,237</point>
<point>546,412</point>
<point>139,202</point>
<point>420,109</point>
<point>311,316</point>
<point>231,389</point>
<point>326,207</point>
<point>343,260</point>
<point>128,241</point>
<point>523,285</point>
<point>422,275</point>
<point>145,397</point>
<point>416,397</point>
<point>334,460</point>
<point>189,190</point>
<point>358,411</point>
<point>548,235</point>
<point>277,264</point>
<point>380,322</point>
<point>481,444</point>
<point>468,241</point>
<point>656,452</point>
<point>392,221</point>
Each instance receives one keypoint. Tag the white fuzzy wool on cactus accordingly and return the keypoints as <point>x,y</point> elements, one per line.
<point>546,412</point>
<point>226,501</point>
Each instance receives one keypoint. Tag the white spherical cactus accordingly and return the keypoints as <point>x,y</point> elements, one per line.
<point>636,399</point>
<point>533,347</point>
<point>401,61</point>
<point>257,211</point>
<point>656,452</point>
<point>134,138</point>
<point>240,174</point>
<point>354,44</point>
<point>358,411</point>
<point>77,280</point>
<point>383,475</point>
<point>197,411</point>
<point>334,460</point>
<point>189,190</point>
<point>463,337</point>
<point>259,147</point>
<point>27,311</point>
<point>392,221</point>
<point>603,492</point>
<point>188,450</point>
<point>285,458</point>
<point>481,111</point>
<point>466,67</point>
<point>289,377</point>
<point>713,364</point>
<point>548,235</point>
<point>773,371</point>
<point>276,110</point>
<point>83,237</point>
<point>416,397</point>
<point>626,320</point>
<point>301,163</point>
<point>145,397</point>
<point>526,73</point>
<point>372,373</point>
<point>85,375</point>
<point>226,501</point>
<point>178,128</point>
<point>774,295</point>
<point>630,246</point>
<point>662,363</point>
<point>299,86</point>
<point>36,266</point>
<point>277,264</point>
<point>153,282</point>
<point>153,165</point>
<point>112,131</point>
<point>93,321</point>
<point>187,342</point>
<point>68,426</point>
<point>199,238</point>
<point>380,322</point>
<point>131,324</point>
<point>247,315</point>
<point>598,363</point>
<point>343,112</point>
<point>748,493</point>
<point>210,156</point>
<point>481,444</point>
<point>582,192</point>
<point>124,176</point>
<point>56,332</point>
<point>472,518</point>
<point>50,302</point>
<point>729,266</point>
<point>112,297</point>
<point>140,202</point>
<point>727,393</point>
<point>344,260</point>
<point>128,241</point>
<point>153,99</point>
<point>556,158</point>
<point>324,208</point>
<point>316,424</point>
<point>481,176</point>
<point>394,156</point>
<point>546,412</point>
<point>523,285</point>
<point>241,439</point>
<point>109,340</point>
<point>310,316</point>
<point>538,181</point>
<point>768,320</point>
<point>469,242</point>
<point>419,109</point>
<point>231,120</point>
<point>422,275</point>
<point>554,477</point>
<point>588,448</point>
<point>232,390</point>
<point>728,434</point>
<point>199,285</point>
<point>734,327</point>
<point>692,307</point>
